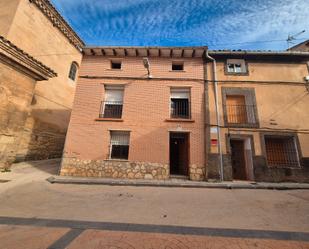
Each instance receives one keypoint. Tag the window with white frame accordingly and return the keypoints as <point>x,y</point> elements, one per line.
<point>119,147</point>
<point>112,105</point>
<point>236,66</point>
<point>180,103</point>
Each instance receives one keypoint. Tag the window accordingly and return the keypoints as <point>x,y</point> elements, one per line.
<point>111,107</point>
<point>281,151</point>
<point>239,107</point>
<point>180,103</point>
<point>119,148</point>
<point>116,64</point>
<point>236,66</point>
<point>177,66</point>
<point>73,71</point>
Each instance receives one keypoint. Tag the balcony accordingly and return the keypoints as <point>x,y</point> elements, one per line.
<point>111,109</point>
<point>240,114</point>
<point>180,109</point>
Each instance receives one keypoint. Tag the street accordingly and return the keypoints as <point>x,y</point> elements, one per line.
<point>37,214</point>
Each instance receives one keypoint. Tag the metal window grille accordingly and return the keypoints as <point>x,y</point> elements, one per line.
<point>281,151</point>
<point>120,145</point>
<point>111,109</point>
<point>240,114</point>
<point>180,108</point>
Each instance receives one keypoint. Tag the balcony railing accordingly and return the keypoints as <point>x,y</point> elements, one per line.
<point>240,114</point>
<point>180,109</point>
<point>111,109</point>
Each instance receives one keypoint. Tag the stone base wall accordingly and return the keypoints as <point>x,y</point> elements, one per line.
<point>262,173</point>
<point>114,169</point>
<point>122,169</point>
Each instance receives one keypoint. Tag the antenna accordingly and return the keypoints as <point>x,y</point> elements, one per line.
<point>292,38</point>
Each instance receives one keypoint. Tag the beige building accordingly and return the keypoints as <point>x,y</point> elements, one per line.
<point>263,124</point>
<point>37,28</point>
<point>19,73</point>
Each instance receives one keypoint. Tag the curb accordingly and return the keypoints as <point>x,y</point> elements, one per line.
<point>171,184</point>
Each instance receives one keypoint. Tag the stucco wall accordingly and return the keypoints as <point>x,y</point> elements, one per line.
<point>33,32</point>
<point>281,107</point>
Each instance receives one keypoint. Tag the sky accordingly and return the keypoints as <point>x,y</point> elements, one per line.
<point>218,24</point>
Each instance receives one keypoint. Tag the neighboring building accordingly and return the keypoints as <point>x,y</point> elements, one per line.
<point>37,28</point>
<point>128,124</point>
<point>19,73</point>
<point>304,47</point>
<point>263,103</point>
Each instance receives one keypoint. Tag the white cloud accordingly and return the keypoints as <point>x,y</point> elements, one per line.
<point>186,22</point>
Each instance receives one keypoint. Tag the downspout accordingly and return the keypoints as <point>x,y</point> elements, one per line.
<point>217,113</point>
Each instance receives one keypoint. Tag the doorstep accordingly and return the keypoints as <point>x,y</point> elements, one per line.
<point>175,183</point>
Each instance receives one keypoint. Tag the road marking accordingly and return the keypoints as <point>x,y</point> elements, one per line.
<point>148,228</point>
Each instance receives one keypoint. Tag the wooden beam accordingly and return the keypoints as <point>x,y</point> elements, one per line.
<point>147,52</point>
<point>171,53</point>
<point>103,52</point>
<point>92,51</point>
<point>114,52</point>
<point>182,53</point>
<point>125,52</point>
<point>159,52</point>
<point>193,53</point>
<point>136,52</point>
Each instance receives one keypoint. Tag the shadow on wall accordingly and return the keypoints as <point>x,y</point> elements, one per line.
<point>42,138</point>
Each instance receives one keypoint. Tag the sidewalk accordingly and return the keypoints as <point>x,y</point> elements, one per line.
<point>177,183</point>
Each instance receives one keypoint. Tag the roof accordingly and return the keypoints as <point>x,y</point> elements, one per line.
<point>58,21</point>
<point>301,46</point>
<point>261,55</point>
<point>176,52</point>
<point>16,57</point>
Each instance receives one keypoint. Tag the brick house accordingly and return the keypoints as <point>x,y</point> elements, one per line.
<point>128,122</point>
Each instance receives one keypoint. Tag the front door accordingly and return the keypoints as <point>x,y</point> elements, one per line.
<point>179,153</point>
<point>238,159</point>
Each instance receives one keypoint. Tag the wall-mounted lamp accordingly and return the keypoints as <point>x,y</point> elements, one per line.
<point>147,66</point>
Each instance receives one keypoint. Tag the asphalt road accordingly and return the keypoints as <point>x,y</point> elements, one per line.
<point>85,216</point>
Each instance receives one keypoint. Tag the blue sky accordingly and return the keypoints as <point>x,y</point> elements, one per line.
<point>218,24</point>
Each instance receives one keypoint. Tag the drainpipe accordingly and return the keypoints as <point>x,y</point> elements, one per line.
<point>217,113</point>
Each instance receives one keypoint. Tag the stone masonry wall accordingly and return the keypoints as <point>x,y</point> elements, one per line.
<point>122,169</point>
<point>113,169</point>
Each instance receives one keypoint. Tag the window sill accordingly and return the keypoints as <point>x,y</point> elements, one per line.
<point>178,71</point>
<point>180,120</point>
<point>113,69</point>
<point>237,74</point>
<point>116,160</point>
<point>110,119</point>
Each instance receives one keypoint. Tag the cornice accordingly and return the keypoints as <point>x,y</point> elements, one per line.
<point>58,21</point>
<point>20,60</point>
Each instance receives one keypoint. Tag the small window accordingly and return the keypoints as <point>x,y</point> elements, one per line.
<point>73,71</point>
<point>236,66</point>
<point>119,145</point>
<point>116,64</point>
<point>111,107</point>
<point>180,103</point>
<point>177,66</point>
<point>281,151</point>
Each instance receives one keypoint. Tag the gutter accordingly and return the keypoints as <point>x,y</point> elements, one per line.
<point>217,113</point>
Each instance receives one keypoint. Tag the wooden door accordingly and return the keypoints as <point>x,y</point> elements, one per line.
<point>238,160</point>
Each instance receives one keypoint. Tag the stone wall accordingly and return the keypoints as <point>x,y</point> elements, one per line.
<point>16,92</point>
<point>113,169</point>
<point>122,169</point>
